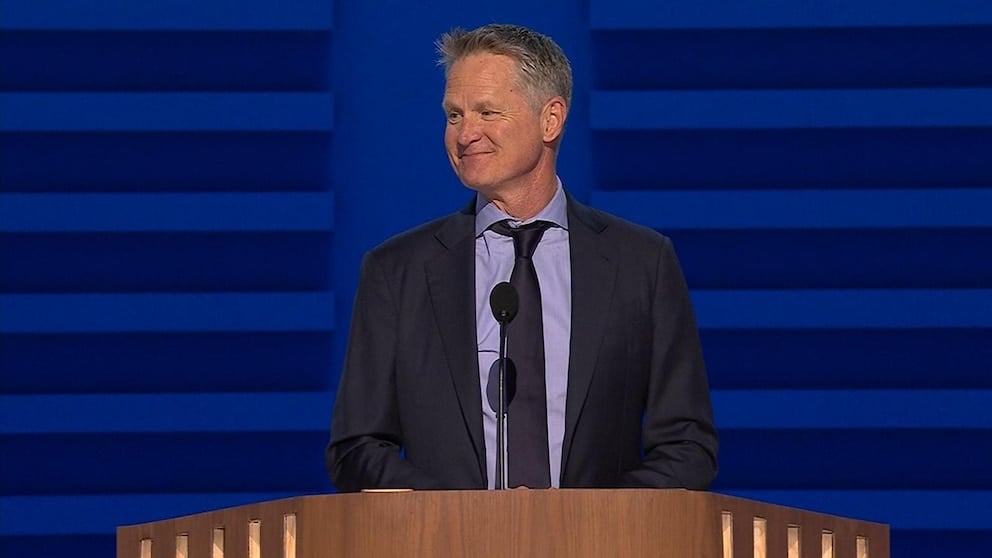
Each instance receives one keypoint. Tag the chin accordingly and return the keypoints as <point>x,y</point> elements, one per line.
<point>476,188</point>
<point>475,183</point>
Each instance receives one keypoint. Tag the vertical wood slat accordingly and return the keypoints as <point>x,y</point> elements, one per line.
<point>289,536</point>
<point>862,547</point>
<point>760,528</point>
<point>255,538</point>
<point>728,534</point>
<point>217,543</point>
<point>794,536</point>
<point>182,545</point>
<point>827,544</point>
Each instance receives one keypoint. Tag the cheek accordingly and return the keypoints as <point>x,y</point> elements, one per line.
<point>450,138</point>
<point>529,142</point>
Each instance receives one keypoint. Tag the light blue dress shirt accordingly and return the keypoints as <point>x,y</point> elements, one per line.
<point>494,259</point>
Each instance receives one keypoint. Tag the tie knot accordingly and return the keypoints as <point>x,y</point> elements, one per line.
<point>525,237</point>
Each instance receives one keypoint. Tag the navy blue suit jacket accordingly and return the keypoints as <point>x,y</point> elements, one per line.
<point>409,411</point>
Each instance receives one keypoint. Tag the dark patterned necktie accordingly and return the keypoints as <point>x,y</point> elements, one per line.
<point>527,414</point>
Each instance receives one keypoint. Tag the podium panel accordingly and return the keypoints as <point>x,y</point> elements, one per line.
<point>512,523</point>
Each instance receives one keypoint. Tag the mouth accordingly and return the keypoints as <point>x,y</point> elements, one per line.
<point>473,154</point>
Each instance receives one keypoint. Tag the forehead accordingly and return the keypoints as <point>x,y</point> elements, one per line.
<point>482,71</point>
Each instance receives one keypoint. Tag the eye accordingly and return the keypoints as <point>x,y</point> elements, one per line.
<point>488,114</point>
<point>454,117</point>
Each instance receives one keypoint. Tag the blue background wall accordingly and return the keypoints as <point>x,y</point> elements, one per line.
<point>188,188</point>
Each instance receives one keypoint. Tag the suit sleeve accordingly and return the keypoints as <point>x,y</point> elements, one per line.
<point>366,439</point>
<point>679,437</point>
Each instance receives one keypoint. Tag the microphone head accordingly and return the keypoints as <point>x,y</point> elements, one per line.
<point>504,302</point>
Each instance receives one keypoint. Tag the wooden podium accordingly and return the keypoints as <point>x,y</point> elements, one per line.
<point>512,523</point>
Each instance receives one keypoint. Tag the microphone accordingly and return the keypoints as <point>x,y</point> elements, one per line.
<point>504,302</point>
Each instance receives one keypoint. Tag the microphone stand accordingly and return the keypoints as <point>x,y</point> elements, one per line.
<point>501,411</point>
<point>504,303</point>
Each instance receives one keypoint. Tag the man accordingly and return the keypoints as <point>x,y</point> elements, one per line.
<point>622,398</point>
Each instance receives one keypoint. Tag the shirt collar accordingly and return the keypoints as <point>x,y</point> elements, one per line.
<point>486,212</point>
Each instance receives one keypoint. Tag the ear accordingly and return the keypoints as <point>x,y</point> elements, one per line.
<point>553,119</point>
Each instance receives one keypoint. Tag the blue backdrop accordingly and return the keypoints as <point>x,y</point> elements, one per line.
<point>188,188</point>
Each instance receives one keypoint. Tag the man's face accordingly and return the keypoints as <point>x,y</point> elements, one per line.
<point>493,135</point>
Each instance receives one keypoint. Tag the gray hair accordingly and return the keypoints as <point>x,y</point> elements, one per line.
<point>542,66</point>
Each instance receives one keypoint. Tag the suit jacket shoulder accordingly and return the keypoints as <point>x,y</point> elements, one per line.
<point>621,237</point>
<point>423,242</point>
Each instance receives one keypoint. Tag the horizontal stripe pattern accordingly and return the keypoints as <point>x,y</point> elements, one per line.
<point>166,312</point>
<point>273,412</point>
<point>200,112</point>
<point>194,212</point>
<point>769,14</point>
<point>822,170</point>
<point>806,109</point>
<point>211,15</point>
<point>865,209</point>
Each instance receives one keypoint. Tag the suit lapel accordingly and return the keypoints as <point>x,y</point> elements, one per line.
<point>593,277</point>
<point>451,283</point>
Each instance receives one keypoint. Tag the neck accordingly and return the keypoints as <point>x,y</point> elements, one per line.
<point>527,202</point>
<point>527,198</point>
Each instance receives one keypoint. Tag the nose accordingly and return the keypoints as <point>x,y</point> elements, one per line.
<point>469,130</point>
